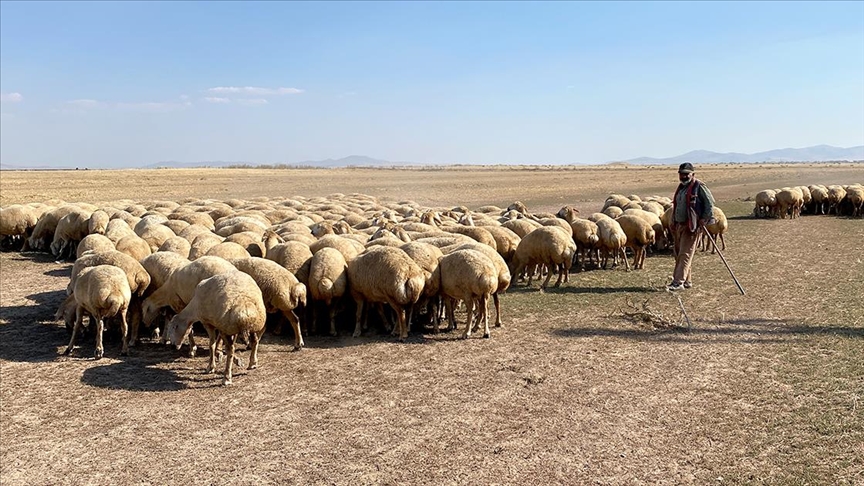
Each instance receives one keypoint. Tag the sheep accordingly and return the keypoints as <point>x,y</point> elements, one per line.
<point>855,196</point>
<point>154,234</point>
<point>228,251</point>
<point>477,233</point>
<point>348,247</point>
<point>502,274</point>
<point>118,229</point>
<point>201,219</point>
<point>294,256</point>
<point>160,266</point>
<point>134,246</point>
<point>639,235</point>
<point>568,213</point>
<point>281,290</point>
<point>175,225</point>
<point>98,222</point>
<point>426,256</point>
<point>818,197</point>
<point>17,223</point>
<point>226,305</point>
<point>521,226</point>
<point>202,243</point>
<point>147,221</point>
<point>613,212</point>
<point>506,241</point>
<point>585,236</point>
<point>653,207</point>
<point>789,201</point>
<point>138,277</point>
<point>71,229</point>
<point>470,276</point>
<point>192,231</point>
<point>385,275</point>
<point>766,204</point>
<point>328,281</point>
<point>595,217</point>
<point>177,245</point>
<point>612,241</point>
<point>43,232</point>
<point>101,292</point>
<point>558,223</point>
<point>717,229</point>
<point>616,200</point>
<point>656,223</point>
<point>835,195</point>
<point>94,242</point>
<point>250,241</point>
<point>546,245</point>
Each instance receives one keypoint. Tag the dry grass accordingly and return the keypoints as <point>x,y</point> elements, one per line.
<point>766,388</point>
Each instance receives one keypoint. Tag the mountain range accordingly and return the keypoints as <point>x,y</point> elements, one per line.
<point>817,153</point>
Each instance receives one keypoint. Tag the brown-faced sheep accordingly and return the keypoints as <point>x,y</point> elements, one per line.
<point>385,275</point>
<point>101,292</point>
<point>226,305</point>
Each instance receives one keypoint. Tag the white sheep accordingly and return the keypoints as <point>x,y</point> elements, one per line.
<point>470,276</point>
<point>549,246</point>
<point>281,290</point>
<point>612,241</point>
<point>226,305</point>
<point>639,235</point>
<point>328,282</point>
<point>385,275</point>
<point>94,242</point>
<point>101,292</point>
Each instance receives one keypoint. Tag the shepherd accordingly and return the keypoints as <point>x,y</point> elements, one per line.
<point>691,210</point>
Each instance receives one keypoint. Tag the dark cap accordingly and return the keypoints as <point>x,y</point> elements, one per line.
<point>685,168</point>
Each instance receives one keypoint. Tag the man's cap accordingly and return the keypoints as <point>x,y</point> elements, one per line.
<point>685,168</point>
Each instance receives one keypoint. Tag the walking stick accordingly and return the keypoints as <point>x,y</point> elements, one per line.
<point>714,243</point>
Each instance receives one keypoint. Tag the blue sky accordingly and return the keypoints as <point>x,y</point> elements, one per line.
<point>128,84</point>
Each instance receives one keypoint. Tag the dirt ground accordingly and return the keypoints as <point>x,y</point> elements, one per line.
<point>766,388</point>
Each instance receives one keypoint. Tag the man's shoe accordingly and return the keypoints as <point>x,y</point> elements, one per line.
<point>688,285</point>
<point>673,287</point>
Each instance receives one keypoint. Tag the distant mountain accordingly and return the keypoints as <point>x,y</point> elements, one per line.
<point>353,161</point>
<point>817,153</point>
<point>173,164</point>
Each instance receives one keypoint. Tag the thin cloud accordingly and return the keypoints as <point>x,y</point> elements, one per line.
<point>254,90</point>
<point>217,100</point>
<point>145,106</point>
<point>11,98</point>
<point>252,101</point>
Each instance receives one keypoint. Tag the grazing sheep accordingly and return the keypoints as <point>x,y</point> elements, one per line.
<point>101,292</point>
<point>717,229</point>
<point>835,195</point>
<point>228,251</point>
<point>639,234</point>
<point>479,234</point>
<point>17,223</point>
<point>385,275</point>
<point>249,241</point>
<point>521,226</point>
<point>98,222</point>
<point>202,243</point>
<point>117,229</point>
<point>71,229</point>
<point>94,242</point>
<point>426,256</point>
<point>226,305</point>
<point>349,248</point>
<point>178,245</point>
<point>595,217</point>
<point>201,219</point>
<point>281,290</point>
<point>585,236</point>
<point>819,199</point>
<point>558,223</point>
<point>470,276</point>
<point>502,274</point>
<point>43,232</point>
<point>568,213</point>
<point>766,204</point>
<point>138,277</point>
<point>789,201</point>
<point>192,231</point>
<point>175,225</point>
<point>328,281</point>
<point>612,241</point>
<point>134,246</point>
<point>294,256</point>
<point>548,246</point>
<point>613,212</point>
<point>656,223</point>
<point>160,266</point>
<point>506,241</point>
<point>855,197</point>
<point>155,234</point>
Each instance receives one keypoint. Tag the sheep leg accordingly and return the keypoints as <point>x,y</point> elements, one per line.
<point>100,326</point>
<point>79,323</point>
<point>214,341</point>
<point>124,329</point>
<point>451,314</point>
<point>497,309</point>
<point>133,317</point>
<point>331,311</point>
<point>723,241</point>
<point>229,362</point>
<point>254,339</point>
<point>402,322</point>
<point>626,262</point>
<point>295,325</point>
<point>469,324</point>
<point>484,309</point>
<point>546,282</point>
<point>359,317</point>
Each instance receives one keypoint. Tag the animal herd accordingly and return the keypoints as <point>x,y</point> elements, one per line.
<point>815,199</point>
<point>161,266</point>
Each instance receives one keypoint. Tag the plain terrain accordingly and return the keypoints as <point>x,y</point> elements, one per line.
<point>765,388</point>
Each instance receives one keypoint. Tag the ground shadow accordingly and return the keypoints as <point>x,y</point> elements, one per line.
<point>569,289</point>
<point>133,374</point>
<point>60,272</point>
<point>738,330</point>
<point>30,333</point>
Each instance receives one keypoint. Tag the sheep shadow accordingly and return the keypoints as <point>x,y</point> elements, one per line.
<point>30,333</point>
<point>60,272</point>
<point>568,289</point>
<point>762,331</point>
<point>133,374</point>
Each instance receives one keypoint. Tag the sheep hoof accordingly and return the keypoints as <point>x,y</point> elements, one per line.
<point>497,324</point>
<point>226,382</point>
<point>486,335</point>
<point>98,354</point>
<point>252,366</point>
<point>356,334</point>
<point>124,353</point>
<point>67,352</point>
<point>298,347</point>
<point>192,351</point>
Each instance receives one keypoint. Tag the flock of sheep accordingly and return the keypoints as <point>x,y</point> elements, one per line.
<point>228,264</point>
<point>815,199</point>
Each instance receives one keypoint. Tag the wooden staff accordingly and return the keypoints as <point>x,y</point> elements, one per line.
<point>714,243</point>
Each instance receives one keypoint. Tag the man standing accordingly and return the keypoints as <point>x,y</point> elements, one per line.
<point>691,209</point>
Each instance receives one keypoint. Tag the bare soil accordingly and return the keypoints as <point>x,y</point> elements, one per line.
<point>765,388</point>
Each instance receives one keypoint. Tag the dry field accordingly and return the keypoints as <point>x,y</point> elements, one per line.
<point>766,388</point>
